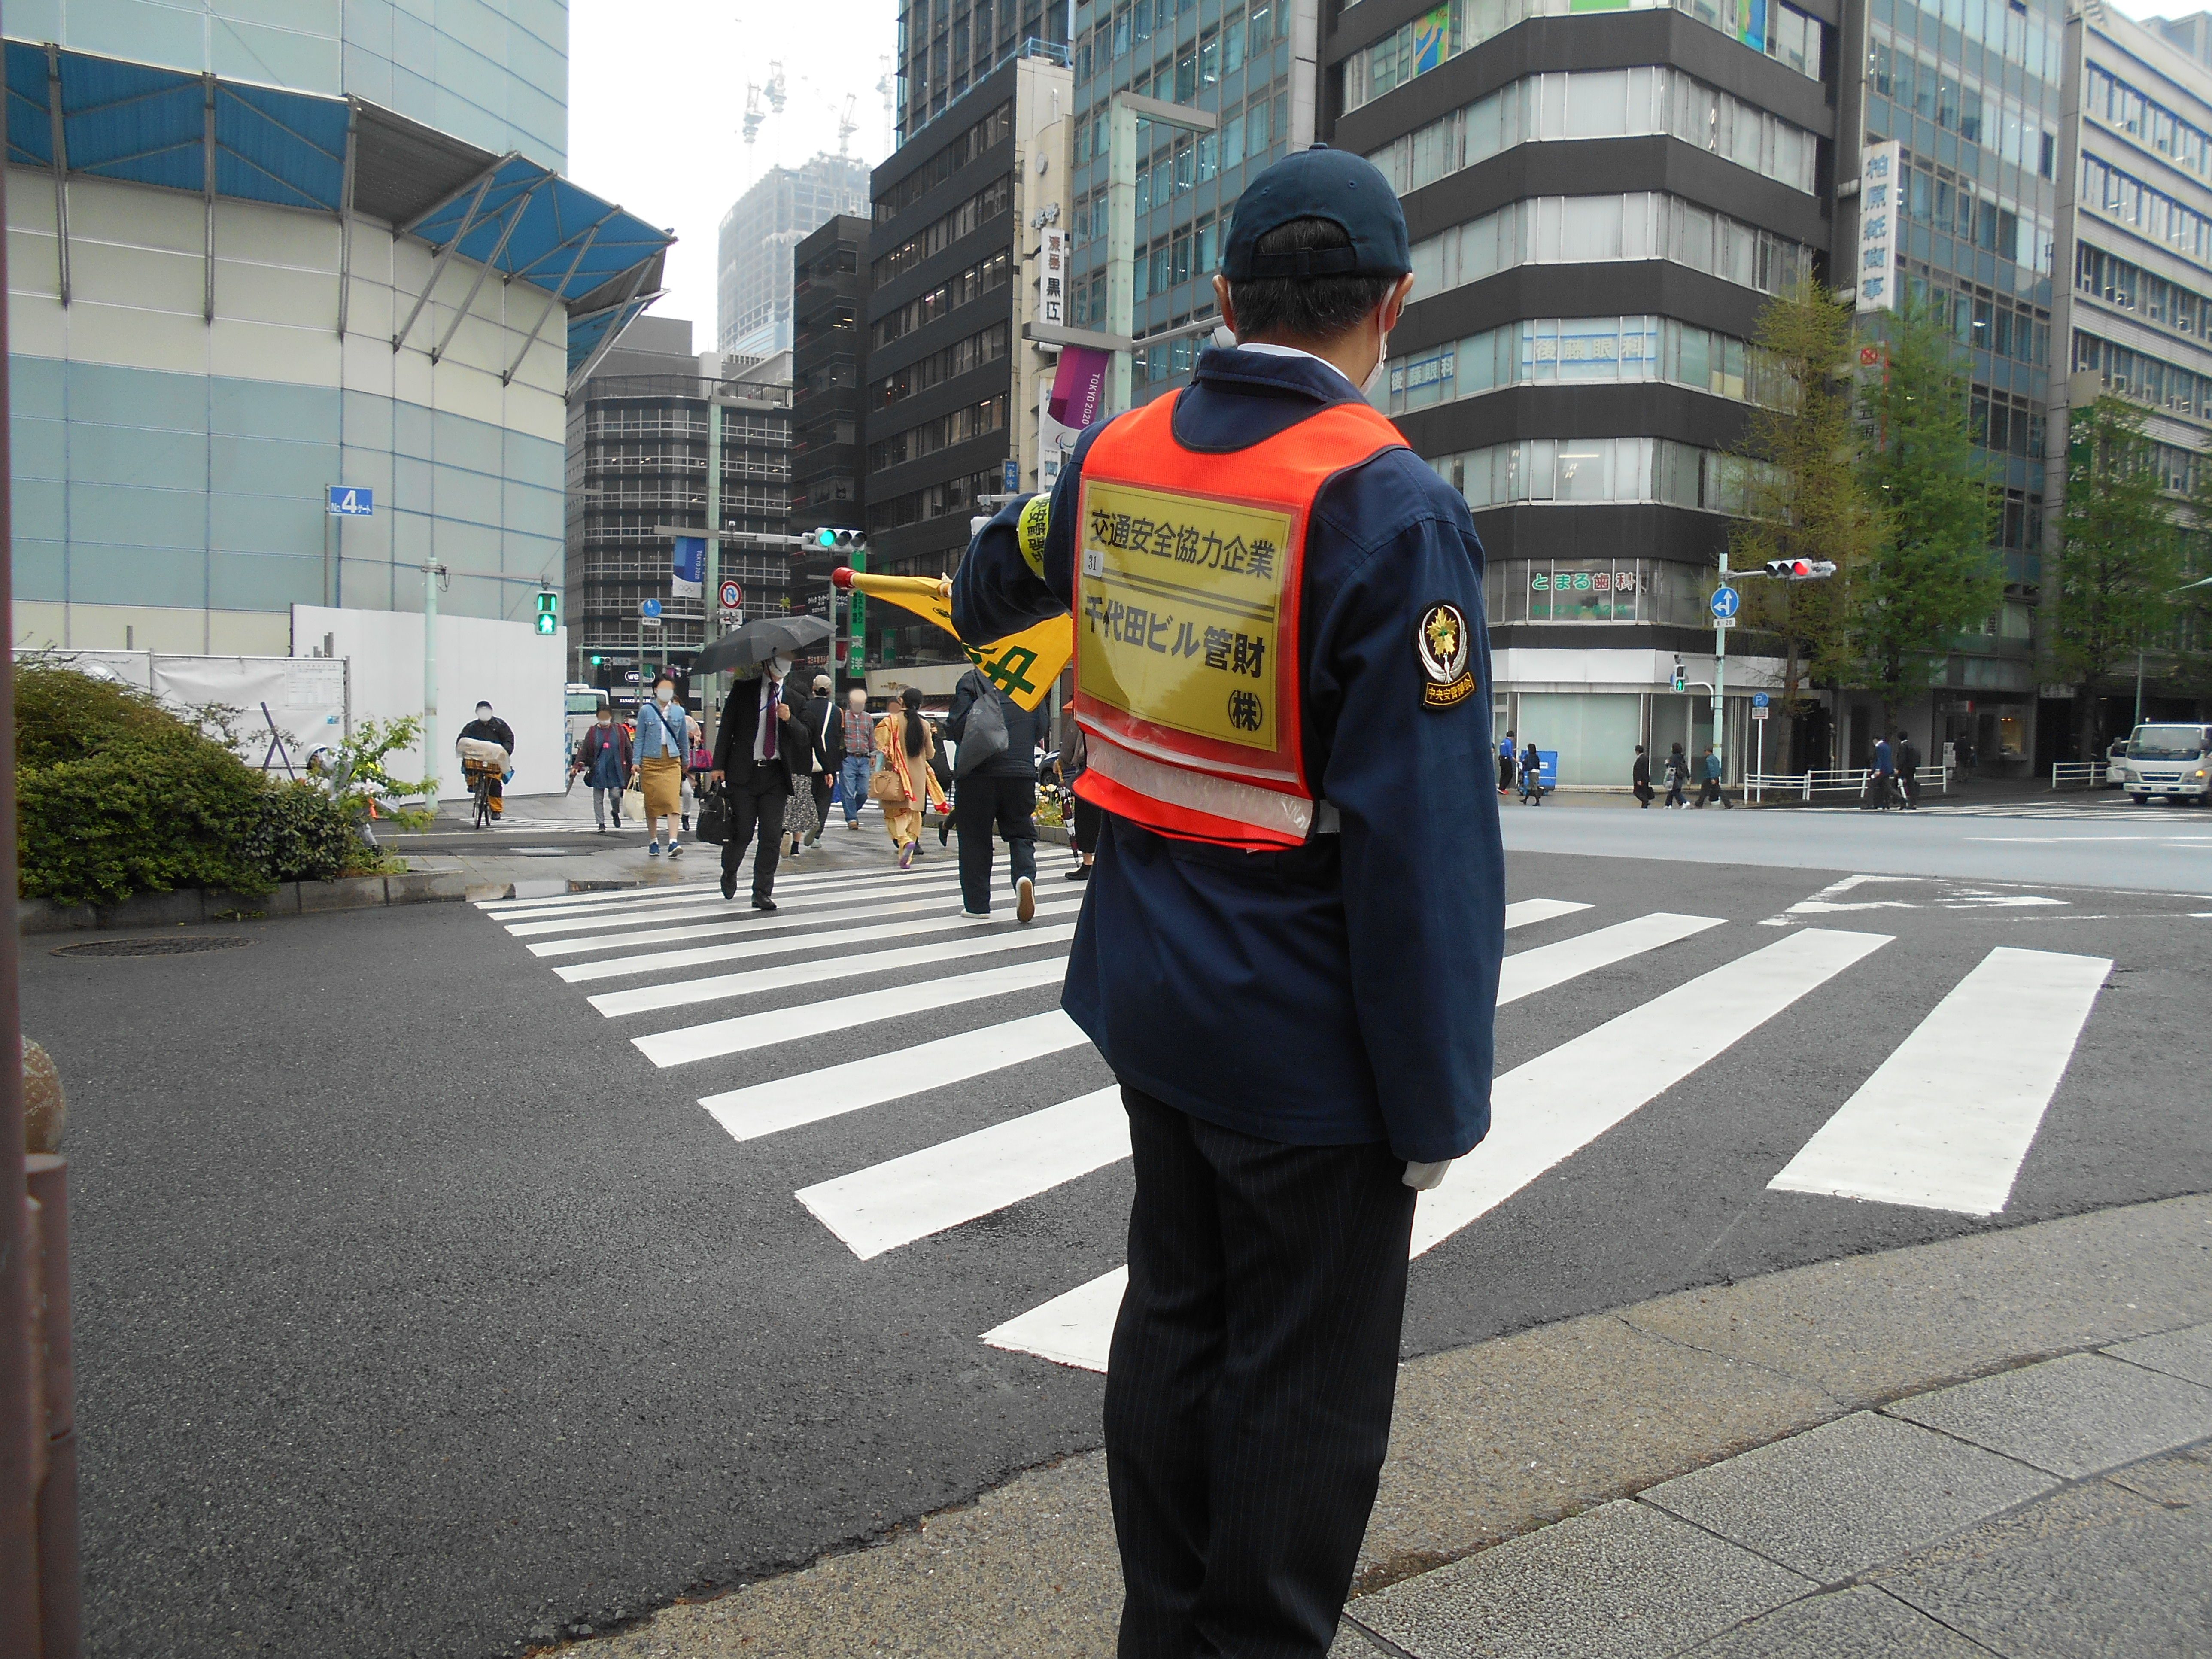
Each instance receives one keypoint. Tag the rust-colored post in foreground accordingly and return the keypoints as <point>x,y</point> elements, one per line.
<point>59,1611</point>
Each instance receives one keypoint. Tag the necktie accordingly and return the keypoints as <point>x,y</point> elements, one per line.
<point>764,750</point>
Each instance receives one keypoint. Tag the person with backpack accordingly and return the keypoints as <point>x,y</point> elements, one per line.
<point>996,787</point>
<point>1678,773</point>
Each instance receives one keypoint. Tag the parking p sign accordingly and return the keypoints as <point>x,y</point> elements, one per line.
<point>349,502</point>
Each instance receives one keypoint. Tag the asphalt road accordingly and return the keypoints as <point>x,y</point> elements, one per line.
<point>420,1311</point>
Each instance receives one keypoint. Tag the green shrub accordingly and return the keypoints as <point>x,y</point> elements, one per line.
<point>116,795</point>
<point>303,834</point>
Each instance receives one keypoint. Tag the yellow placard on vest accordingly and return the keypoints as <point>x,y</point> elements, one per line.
<point>1182,595</point>
<point>1024,665</point>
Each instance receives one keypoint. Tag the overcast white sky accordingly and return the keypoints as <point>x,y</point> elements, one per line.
<point>657,98</point>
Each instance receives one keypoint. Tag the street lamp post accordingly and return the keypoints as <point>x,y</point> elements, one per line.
<point>1122,116</point>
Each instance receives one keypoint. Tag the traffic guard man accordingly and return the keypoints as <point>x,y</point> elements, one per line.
<point>1289,945</point>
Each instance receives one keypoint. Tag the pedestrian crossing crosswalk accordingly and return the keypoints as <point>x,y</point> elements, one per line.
<point>1943,1121</point>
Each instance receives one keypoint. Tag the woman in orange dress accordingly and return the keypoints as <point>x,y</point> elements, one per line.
<point>904,786</point>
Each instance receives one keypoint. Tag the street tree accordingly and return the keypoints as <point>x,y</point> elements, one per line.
<point>2117,561</point>
<point>1800,496</point>
<point>1932,574</point>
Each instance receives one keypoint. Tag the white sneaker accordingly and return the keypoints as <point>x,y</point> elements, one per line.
<point>976,915</point>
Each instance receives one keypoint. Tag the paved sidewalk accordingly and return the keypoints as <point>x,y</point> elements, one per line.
<point>1995,1444</point>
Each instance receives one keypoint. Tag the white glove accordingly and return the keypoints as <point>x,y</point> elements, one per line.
<point>1427,1178</point>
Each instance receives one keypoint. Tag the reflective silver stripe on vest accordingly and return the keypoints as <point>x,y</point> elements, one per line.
<point>1268,810</point>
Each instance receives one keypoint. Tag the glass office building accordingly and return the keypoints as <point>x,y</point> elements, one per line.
<point>753,254</point>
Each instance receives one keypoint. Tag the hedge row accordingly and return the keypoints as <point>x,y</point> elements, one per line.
<point>115,795</point>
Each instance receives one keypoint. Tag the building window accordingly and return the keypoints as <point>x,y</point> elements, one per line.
<point>1591,229</point>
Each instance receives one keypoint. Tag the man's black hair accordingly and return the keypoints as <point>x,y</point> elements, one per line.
<point>1305,307</point>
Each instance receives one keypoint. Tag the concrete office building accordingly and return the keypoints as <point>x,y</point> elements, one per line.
<point>644,429</point>
<point>752,266</point>
<point>2135,232</point>
<point>1250,63</point>
<point>1599,203</point>
<point>955,378</point>
<point>252,258</point>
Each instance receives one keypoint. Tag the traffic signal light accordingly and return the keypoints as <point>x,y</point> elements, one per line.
<point>843,541</point>
<point>1681,680</point>
<point>596,661</point>
<point>1800,570</point>
<point>549,611</point>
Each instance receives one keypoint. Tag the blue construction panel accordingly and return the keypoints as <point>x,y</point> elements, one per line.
<point>264,581</point>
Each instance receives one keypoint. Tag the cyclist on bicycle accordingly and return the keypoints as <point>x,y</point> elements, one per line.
<point>488,727</point>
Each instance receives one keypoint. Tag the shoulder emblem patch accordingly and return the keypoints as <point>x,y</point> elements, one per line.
<point>1029,531</point>
<point>1442,645</point>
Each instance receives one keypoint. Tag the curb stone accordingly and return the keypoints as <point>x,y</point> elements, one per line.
<point>194,905</point>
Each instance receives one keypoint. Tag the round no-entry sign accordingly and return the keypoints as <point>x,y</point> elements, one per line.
<point>732,596</point>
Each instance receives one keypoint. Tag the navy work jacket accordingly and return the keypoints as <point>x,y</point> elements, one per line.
<point>1342,992</point>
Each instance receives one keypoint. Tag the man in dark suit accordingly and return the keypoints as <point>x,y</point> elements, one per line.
<point>761,746</point>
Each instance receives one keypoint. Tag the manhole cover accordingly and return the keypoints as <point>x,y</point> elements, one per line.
<point>183,945</point>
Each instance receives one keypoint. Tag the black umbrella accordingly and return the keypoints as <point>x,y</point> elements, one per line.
<point>756,641</point>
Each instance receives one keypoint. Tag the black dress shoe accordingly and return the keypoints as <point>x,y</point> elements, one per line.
<point>760,903</point>
<point>729,884</point>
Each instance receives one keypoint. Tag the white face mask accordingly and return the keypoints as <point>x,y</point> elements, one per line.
<point>779,666</point>
<point>1374,382</point>
<point>663,693</point>
<point>483,711</point>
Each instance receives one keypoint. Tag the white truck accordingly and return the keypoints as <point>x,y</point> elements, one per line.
<point>2170,761</point>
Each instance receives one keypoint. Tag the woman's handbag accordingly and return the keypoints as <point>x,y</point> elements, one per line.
<point>633,804</point>
<point>714,815</point>
<point>886,786</point>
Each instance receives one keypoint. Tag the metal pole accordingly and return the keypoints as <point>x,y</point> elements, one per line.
<point>430,574</point>
<point>1121,243</point>
<point>2139,668</point>
<point>19,1434</point>
<point>1720,677</point>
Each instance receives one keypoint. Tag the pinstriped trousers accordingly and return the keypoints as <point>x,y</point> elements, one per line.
<point>1249,1387</point>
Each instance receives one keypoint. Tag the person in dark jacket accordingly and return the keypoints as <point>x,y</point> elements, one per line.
<point>759,750</point>
<point>1297,1000</point>
<point>1532,776</point>
<point>999,791</point>
<point>1639,777</point>
<point>603,761</point>
<point>1906,757</point>
<point>825,734</point>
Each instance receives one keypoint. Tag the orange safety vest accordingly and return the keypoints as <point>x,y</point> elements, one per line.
<point>1188,575</point>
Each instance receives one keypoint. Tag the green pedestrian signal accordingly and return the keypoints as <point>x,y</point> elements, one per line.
<point>549,612</point>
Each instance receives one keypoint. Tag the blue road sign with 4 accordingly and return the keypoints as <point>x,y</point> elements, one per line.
<point>1758,700</point>
<point>1725,602</point>
<point>649,608</point>
<point>348,501</point>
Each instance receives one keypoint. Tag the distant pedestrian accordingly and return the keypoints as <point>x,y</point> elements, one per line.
<point>903,784</point>
<point>603,761</point>
<point>997,788</point>
<point>1639,777</point>
<point>826,733</point>
<point>857,763</point>
<point>1083,829</point>
<point>1712,790</point>
<point>1881,777</point>
<point>1907,757</point>
<point>1509,763</point>
<point>1532,776</point>
<point>940,768</point>
<point>1678,773</point>
<point>664,745</point>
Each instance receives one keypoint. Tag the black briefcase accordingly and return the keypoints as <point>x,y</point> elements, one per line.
<point>714,816</point>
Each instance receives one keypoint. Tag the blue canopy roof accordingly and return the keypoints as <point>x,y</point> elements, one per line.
<point>154,127</point>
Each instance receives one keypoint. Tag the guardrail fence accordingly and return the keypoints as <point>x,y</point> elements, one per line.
<point>2078,774</point>
<point>1841,780</point>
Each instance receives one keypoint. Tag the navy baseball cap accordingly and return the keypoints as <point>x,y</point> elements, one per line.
<point>1320,183</point>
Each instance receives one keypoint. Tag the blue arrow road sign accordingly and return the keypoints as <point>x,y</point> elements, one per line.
<point>1758,700</point>
<point>1726,601</point>
<point>649,608</point>
<point>349,502</point>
